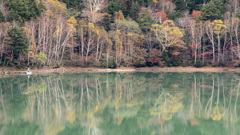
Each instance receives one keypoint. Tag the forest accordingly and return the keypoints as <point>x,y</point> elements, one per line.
<point>114,33</point>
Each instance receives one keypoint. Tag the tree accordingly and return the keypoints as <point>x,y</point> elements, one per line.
<point>107,22</point>
<point>118,46</point>
<point>195,14</point>
<point>2,17</point>
<point>23,10</point>
<point>4,50</point>
<point>72,22</point>
<point>180,4</point>
<point>219,30</point>
<point>167,34</point>
<point>213,10</point>
<point>54,7</point>
<point>126,26</point>
<point>40,59</point>
<point>18,11</point>
<point>18,42</point>
<point>210,33</point>
<point>116,6</point>
<point>162,16</point>
<point>134,11</point>
<point>119,15</point>
<point>238,13</point>
<point>145,20</point>
<point>196,34</point>
<point>76,4</point>
<point>92,10</point>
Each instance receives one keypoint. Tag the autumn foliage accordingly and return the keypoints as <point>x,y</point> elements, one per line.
<point>120,33</point>
<point>195,14</point>
<point>162,15</point>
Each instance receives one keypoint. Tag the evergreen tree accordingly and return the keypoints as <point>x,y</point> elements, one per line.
<point>18,11</point>
<point>2,17</point>
<point>23,10</point>
<point>76,4</point>
<point>147,2</point>
<point>238,13</point>
<point>145,21</point>
<point>18,41</point>
<point>189,4</point>
<point>33,9</point>
<point>213,10</point>
<point>134,11</point>
<point>180,4</point>
<point>115,7</point>
<point>107,22</point>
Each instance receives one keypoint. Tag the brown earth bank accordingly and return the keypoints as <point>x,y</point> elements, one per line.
<point>46,70</point>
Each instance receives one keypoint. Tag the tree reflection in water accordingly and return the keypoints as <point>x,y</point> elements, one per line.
<point>126,103</point>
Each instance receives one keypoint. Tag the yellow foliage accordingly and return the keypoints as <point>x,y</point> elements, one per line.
<point>175,53</point>
<point>97,32</point>
<point>155,2</point>
<point>175,85</point>
<point>134,103</point>
<point>57,32</point>
<point>217,113</point>
<point>35,88</point>
<point>71,116</point>
<point>218,27</point>
<point>95,16</point>
<point>92,111</point>
<point>119,120</point>
<point>166,105</point>
<point>29,110</point>
<point>167,34</point>
<point>56,110</point>
<point>91,25</point>
<point>82,23</point>
<point>55,7</point>
<point>135,39</point>
<point>32,46</point>
<point>118,43</point>
<point>118,97</point>
<point>72,22</point>
<point>119,15</point>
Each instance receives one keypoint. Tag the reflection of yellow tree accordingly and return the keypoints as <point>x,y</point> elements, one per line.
<point>36,88</point>
<point>166,105</point>
<point>217,112</point>
<point>214,109</point>
<point>71,114</point>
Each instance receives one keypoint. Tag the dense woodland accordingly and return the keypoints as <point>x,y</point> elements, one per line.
<point>113,33</point>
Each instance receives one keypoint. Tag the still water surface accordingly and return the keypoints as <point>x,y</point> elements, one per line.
<point>121,104</point>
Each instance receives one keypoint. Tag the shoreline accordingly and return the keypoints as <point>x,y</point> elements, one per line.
<point>47,70</point>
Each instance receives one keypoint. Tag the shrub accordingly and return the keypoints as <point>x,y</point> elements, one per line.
<point>111,63</point>
<point>175,63</point>
<point>155,58</point>
<point>40,59</point>
<point>199,63</point>
<point>183,64</point>
<point>140,62</point>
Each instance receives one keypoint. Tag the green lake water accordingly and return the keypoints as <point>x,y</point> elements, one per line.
<point>120,104</point>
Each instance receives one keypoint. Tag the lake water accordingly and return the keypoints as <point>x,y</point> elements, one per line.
<point>120,104</point>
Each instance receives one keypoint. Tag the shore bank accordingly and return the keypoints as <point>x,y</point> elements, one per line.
<point>46,70</point>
